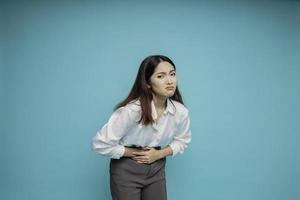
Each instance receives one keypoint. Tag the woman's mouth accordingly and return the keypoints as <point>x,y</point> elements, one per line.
<point>170,88</point>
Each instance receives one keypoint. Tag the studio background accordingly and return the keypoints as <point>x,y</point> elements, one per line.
<point>66,64</point>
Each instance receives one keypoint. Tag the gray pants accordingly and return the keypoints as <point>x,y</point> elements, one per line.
<point>130,180</point>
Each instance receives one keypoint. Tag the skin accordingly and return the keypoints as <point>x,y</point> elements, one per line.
<point>164,76</point>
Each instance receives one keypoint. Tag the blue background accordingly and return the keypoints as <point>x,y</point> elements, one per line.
<point>65,64</point>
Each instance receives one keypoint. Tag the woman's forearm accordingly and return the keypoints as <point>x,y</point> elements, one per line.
<point>128,152</point>
<point>165,152</point>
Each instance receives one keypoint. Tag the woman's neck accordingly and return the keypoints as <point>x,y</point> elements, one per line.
<point>160,103</point>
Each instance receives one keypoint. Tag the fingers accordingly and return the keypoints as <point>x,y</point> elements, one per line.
<point>147,148</point>
<point>138,150</point>
<point>143,162</point>
<point>140,158</point>
<point>137,153</point>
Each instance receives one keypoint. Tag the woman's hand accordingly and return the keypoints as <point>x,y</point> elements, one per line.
<point>148,155</point>
<point>129,150</point>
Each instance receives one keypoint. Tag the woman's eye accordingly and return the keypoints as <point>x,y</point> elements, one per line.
<point>173,74</point>
<point>159,76</point>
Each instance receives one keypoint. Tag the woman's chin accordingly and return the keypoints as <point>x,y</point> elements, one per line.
<point>170,95</point>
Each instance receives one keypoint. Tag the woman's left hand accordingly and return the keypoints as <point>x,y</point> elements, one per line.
<point>148,156</point>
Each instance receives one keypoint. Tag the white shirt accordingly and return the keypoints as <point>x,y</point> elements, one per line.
<point>122,129</point>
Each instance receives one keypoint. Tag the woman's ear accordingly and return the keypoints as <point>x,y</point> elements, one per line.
<point>148,86</point>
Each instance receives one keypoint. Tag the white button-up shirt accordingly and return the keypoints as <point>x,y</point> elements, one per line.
<point>122,129</point>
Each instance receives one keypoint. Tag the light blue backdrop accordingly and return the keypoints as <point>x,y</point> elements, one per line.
<point>65,64</point>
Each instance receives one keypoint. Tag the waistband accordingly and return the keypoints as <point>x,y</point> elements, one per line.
<point>140,147</point>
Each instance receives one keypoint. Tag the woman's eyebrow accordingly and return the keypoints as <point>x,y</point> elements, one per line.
<point>165,72</point>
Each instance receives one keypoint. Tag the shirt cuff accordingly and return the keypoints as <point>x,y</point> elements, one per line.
<point>175,148</point>
<point>118,152</point>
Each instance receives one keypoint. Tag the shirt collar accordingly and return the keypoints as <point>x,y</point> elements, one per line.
<point>170,108</point>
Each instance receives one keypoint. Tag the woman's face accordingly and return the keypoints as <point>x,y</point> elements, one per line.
<point>163,81</point>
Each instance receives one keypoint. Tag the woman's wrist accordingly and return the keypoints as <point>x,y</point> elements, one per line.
<point>165,152</point>
<point>128,152</point>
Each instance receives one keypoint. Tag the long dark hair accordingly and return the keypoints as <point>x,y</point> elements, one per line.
<point>141,91</point>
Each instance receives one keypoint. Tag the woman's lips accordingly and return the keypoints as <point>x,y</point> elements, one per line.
<point>170,88</point>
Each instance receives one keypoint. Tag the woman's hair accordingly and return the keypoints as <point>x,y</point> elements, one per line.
<point>141,91</point>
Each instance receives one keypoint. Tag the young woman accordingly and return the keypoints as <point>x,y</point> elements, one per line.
<point>150,124</point>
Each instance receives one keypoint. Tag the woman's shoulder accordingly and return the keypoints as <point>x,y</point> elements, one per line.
<point>133,105</point>
<point>181,110</point>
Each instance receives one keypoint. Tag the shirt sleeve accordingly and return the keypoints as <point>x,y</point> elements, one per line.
<point>182,137</point>
<point>106,140</point>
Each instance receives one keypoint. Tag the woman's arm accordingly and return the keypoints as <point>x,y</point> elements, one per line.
<point>106,141</point>
<point>182,137</point>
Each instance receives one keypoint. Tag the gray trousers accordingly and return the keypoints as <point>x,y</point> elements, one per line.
<point>130,180</point>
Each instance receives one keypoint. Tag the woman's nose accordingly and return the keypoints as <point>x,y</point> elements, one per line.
<point>169,80</point>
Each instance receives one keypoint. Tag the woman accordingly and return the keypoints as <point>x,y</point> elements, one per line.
<point>149,125</point>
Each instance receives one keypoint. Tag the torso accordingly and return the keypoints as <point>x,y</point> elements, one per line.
<point>161,133</point>
<point>159,113</point>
